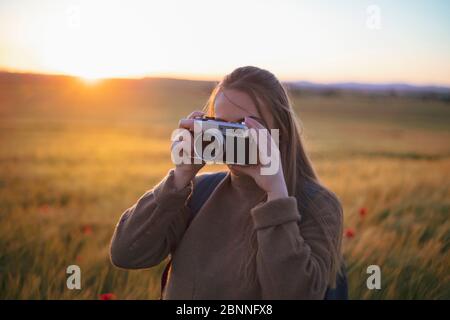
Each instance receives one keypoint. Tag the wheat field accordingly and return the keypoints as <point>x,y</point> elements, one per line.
<point>74,157</point>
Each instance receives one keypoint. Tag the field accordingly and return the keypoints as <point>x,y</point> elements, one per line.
<point>74,156</point>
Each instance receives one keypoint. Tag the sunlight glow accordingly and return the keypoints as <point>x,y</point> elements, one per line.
<point>309,40</point>
<point>90,80</point>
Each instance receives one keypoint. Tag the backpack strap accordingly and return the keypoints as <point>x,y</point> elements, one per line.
<point>341,290</point>
<point>203,188</point>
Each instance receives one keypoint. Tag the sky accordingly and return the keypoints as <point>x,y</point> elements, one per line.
<point>320,41</point>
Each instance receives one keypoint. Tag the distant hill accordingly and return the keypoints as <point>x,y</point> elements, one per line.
<point>22,93</point>
<point>56,95</point>
<point>29,78</point>
<point>371,87</point>
<point>347,86</point>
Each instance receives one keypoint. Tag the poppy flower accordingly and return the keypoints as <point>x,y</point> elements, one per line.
<point>86,229</point>
<point>44,209</point>
<point>349,233</point>
<point>362,212</point>
<point>107,296</point>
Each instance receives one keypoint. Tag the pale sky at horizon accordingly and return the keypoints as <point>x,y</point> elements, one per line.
<point>320,41</point>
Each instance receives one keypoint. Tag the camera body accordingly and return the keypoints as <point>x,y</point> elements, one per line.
<point>222,142</point>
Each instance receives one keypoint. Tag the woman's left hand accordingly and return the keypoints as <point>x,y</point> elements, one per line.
<point>273,184</point>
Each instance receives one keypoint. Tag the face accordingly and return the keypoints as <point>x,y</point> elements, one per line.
<point>233,105</point>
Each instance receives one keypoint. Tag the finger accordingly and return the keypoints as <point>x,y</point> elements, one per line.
<point>196,113</point>
<point>252,123</point>
<point>181,145</point>
<point>174,144</point>
<point>269,146</point>
<point>186,124</point>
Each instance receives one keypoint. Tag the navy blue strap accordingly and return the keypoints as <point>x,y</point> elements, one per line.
<point>203,188</point>
<point>341,290</point>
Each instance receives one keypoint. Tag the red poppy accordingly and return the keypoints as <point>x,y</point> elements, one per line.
<point>349,233</point>
<point>86,229</point>
<point>44,208</point>
<point>362,212</point>
<point>107,296</point>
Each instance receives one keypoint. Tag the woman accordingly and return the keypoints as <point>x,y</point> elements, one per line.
<point>257,236</point>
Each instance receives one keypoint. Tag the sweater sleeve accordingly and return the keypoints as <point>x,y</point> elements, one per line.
<point>149,230</point>
<point>294,257</point>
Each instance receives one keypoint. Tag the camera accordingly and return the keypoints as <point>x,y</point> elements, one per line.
<point>222,142</point>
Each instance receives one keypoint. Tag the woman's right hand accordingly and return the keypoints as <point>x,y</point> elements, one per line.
<point>184,173</point>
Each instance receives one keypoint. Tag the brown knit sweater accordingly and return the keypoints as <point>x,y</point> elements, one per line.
<point>292,261</point>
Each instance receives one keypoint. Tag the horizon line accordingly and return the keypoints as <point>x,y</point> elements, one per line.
<point>170,76</point>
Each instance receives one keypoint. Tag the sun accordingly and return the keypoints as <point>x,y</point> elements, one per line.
<point>90,79</point>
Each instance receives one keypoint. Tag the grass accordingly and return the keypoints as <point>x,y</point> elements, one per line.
<point>66,176</point>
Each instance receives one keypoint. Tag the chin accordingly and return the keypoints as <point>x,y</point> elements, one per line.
<point>234,169</point>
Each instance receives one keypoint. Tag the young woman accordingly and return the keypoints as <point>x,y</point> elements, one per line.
<point>256,236</point>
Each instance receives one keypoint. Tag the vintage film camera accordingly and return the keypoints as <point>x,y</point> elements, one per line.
<point>232,138</point>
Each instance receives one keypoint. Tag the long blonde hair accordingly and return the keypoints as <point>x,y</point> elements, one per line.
<point>266,91</point>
